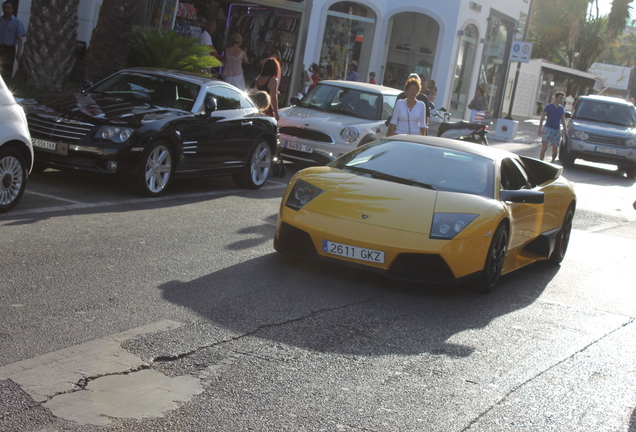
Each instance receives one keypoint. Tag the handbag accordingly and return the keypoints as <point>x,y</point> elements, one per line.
<point>471,105</point>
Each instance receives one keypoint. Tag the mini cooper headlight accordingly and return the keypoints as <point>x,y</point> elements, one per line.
<point>301,193</point>
<point>578,135</point>
<point>350,134</point>
<point>447,225</point>
<point>114,133</point>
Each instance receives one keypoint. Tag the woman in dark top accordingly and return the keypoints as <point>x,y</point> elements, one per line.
<point>268,82</point>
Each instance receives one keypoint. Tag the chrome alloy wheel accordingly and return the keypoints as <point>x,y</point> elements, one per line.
<point>12,180</point>
<point>261,164</point>
<point>158,169</point>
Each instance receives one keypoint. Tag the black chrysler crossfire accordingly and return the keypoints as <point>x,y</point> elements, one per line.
<point>149,125</point>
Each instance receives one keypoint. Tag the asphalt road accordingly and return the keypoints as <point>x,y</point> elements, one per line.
<point>175,314</point>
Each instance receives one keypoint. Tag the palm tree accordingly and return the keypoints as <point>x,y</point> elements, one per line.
<point>625,51</point>
<point>49,52</point>
<point>110,42</point>
<point>561,28</point>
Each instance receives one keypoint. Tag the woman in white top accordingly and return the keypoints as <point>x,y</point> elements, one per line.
<point>409,115</point>
<point>234,59</point>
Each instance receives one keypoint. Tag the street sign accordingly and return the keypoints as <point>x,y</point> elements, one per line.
<point>520,51</point>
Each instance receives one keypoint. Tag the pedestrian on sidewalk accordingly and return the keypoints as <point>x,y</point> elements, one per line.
<point>409,115</point>
<point>478,106</point>
<point>554,116</point>
<point>11,33</point>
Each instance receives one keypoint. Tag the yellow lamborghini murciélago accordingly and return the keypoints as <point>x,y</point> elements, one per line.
<point>429,209</point>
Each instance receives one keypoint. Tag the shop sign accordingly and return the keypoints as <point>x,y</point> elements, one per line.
<point>520,51</point>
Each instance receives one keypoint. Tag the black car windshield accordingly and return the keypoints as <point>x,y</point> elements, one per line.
<point>605,112</point>
<point>356,103</point>
<point>422,165</point>
<point>157,90</point>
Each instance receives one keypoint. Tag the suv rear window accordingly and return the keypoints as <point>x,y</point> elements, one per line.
<point>605,112</point>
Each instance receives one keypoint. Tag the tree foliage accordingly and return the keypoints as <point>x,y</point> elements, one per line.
<point>108,49</point>
<point>572,32</point>
<point>49,52</point>
<point>151,47</point>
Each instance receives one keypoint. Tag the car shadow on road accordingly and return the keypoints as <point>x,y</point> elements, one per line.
<point>320,307</point>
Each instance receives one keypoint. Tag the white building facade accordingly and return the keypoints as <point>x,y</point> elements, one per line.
<point>461,44</point>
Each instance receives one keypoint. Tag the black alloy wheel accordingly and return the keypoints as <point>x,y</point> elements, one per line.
<point>563,238</point>
<point>494,261</point>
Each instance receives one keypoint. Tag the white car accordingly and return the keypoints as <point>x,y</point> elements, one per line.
<point>16,152</point>
<point>335,117</point>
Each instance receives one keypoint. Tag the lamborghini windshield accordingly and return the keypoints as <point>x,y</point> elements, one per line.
<point>421,165</point>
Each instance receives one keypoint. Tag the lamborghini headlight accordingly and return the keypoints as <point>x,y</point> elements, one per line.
<point>447,225</point>
<point>350,134</point>
<point>301,193</point>
<point>114,133</point>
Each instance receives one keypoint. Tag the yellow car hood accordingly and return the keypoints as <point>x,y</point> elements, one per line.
<point>386,204</point>
<point>373,201</point>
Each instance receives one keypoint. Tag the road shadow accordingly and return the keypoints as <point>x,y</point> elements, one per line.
<point>320,307</point>
<point>90,194</point>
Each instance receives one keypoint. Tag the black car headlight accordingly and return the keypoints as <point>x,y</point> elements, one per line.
<point>114,133</point>
<point>447,225</point>
<point>301,193</point>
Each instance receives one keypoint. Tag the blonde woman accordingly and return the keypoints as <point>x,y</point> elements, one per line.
<point>409,115</point>
<point>234,59</point>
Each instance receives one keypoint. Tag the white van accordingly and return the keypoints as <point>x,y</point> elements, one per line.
<point>16,151</point>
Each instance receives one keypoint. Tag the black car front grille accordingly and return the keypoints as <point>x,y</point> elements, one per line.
<point>295,241</point>
<point>421,267</point>
<point>309,134</point>
<point>606,140</point>
<point>58,128</point>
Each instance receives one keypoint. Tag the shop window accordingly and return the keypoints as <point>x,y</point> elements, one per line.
<point>412,48</point>
<point>348,37</point>
<point>463,69</point>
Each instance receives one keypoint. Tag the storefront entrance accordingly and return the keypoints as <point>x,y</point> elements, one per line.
<point>494,65</point>
<point>348,37</point>
<point>412,48</point>
<point>465,61</point>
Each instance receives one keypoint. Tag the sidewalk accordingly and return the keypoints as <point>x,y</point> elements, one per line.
<point>526,132</point>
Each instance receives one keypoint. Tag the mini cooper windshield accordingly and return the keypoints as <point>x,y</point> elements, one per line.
<point>422,165</point>
<point>343,100</point>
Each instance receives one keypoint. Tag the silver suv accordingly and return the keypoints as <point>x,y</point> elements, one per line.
<point>16,152</point>
<point>602,129</point>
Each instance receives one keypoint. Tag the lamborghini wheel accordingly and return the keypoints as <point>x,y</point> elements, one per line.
<point>494,261</point>
<point>563,238</point>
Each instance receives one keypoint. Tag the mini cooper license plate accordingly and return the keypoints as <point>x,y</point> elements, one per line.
<point>606,150</point>
<point>300,147</point>
<point>353,252</point>
<point>43,144</point>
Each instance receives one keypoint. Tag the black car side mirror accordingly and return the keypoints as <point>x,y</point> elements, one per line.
<point>295,100</point>
<point>86,85</point>
<point>210,105</point>
<point>568,114</point>
<point>522,196</point>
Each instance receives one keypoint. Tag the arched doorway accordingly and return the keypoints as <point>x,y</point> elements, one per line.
<point>412,48</point>
<point>348,37</point>
<point>461,78</point>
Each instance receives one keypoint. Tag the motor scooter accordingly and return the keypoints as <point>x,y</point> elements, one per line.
<point>462,130</point>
